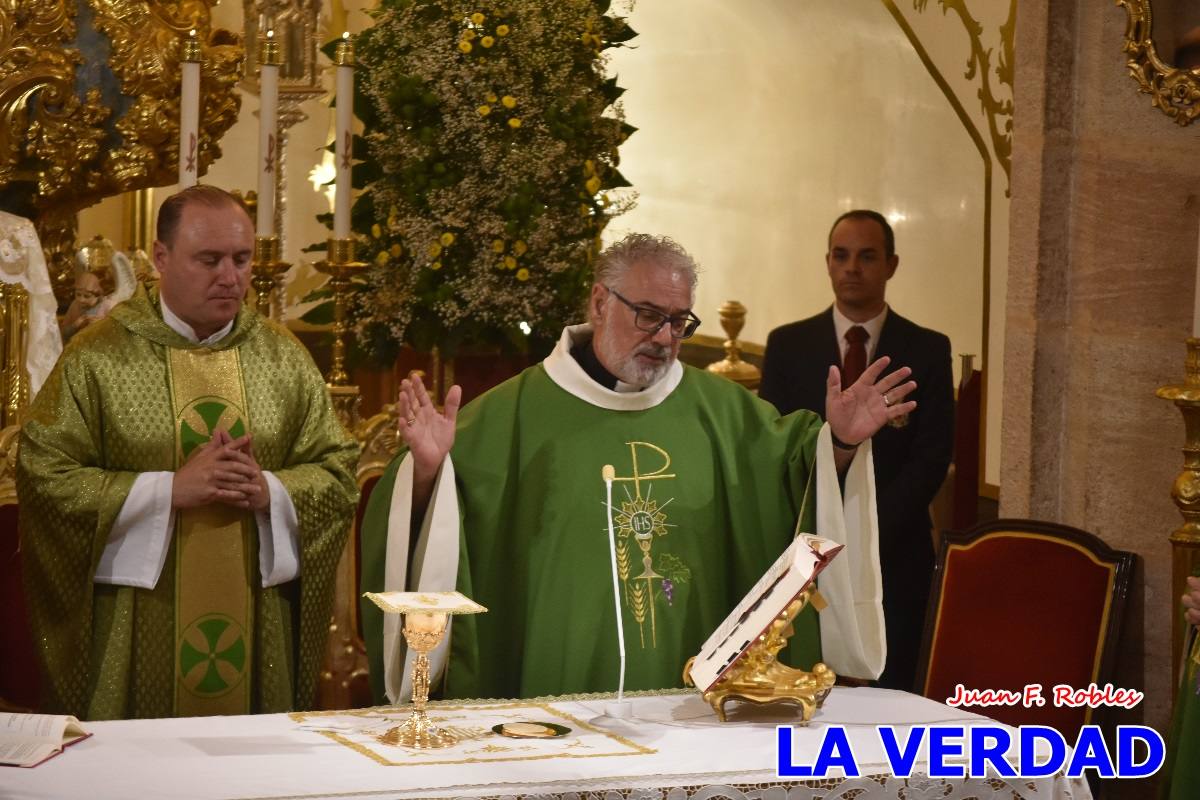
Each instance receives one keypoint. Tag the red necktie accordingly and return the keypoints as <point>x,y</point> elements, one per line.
<point>855,360</point>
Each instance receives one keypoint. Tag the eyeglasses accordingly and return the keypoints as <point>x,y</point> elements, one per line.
<point>651,320</point>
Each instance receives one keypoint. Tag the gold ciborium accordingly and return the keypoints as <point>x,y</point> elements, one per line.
<point>426,617</point>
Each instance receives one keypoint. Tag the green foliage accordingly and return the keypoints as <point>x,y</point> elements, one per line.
<point>486,160</point>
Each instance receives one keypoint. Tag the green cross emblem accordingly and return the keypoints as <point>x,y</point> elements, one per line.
<point>203,418</point>
<point>212,655</point>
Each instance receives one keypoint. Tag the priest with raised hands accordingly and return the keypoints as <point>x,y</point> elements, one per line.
<point>505,502</point>
<point>186,492</point>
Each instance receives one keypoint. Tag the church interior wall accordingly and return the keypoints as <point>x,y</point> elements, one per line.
<point>1101,276</point>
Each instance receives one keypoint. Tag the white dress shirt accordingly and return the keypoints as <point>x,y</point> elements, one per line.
<point>141,535</point>
<point>873,326</point>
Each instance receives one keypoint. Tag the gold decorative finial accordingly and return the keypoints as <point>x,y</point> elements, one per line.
<point>191,47</point>
<point>733,318</point>
<point>269,53</point>
<point>343,56</point>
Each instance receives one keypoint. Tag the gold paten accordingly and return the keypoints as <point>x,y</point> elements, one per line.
<point>733,318</point>
<point>757,677</point>
<point>341,268</point>
<point>267,269</point>
<point>1185,540</point>
<point>1174,91</point>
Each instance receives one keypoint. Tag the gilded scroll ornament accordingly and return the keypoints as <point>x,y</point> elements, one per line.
<point>89,106</point>
<point>998,110</point>
<point>1174,91</point>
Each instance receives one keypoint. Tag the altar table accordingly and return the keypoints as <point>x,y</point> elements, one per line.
<point>674,748</point>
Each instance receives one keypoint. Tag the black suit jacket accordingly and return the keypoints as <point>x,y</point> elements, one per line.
<point>910,461</point>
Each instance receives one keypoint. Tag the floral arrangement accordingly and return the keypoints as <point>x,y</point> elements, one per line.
<point>487,156</point>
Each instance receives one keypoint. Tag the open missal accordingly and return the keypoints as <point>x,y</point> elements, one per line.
<point>27,740</point>
<point>782,583</point>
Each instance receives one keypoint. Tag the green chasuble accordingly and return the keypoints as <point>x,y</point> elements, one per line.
<point>104,416</point>
<point>710,486</point>
<point>1181,778</point>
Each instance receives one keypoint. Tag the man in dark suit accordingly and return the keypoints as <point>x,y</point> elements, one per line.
<point>911,453</point>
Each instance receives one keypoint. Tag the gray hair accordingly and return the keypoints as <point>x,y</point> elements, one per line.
<point>635,248</point>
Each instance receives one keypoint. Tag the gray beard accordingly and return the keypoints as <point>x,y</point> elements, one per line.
<point>628,370</point>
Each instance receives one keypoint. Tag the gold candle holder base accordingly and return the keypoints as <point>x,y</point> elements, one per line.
<point>758,678</point>
<point>733,318</point>
<point>341,268</point>
<point>1185,540</point>
<point>267,271</point>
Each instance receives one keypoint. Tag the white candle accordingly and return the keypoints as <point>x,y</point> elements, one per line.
<point>344,58</point>
<point>268,127</point>
<point>189,112</point>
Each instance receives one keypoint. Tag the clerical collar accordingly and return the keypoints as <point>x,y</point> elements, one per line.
<point>175,323</point>
<point>568,373</point>
<point>585,354</point>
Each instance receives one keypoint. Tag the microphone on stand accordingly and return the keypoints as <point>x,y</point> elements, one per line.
<point>621,708</point>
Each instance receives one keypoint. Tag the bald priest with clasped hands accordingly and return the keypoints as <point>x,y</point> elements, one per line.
<point>505,502</point>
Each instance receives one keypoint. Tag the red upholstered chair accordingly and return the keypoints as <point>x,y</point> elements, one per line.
<point>1017,602</point>
<point>19,680</point>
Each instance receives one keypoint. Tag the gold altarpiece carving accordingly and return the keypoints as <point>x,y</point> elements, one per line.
<point>62,148</point>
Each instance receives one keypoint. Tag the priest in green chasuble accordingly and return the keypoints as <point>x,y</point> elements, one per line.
<point>1181,776</point>
<point>505,502</point>
<point>185,492</point>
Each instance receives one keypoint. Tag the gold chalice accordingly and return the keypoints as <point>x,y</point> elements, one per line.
<point>426,615</point>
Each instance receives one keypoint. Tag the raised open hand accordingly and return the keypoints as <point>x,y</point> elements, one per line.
<point>429,433</point>
<point>856,413</point>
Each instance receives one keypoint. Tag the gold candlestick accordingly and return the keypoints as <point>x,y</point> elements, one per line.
<point>733,317</point>
<point>341,268</point>
<point>267,272</point>
<point>1185,540</point>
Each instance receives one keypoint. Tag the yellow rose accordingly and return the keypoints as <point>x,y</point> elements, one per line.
<point>519,247</point>
<point>510,262</point>
<point>478,18</point>
<point>447,239</point>
<point>490,97</point>
<point>515,122</point>
<point>396,251</point>
<point>464,46</point>
<point>593,185</point>
<point>522,274</point>
<point>468,34</point>
<point>376,231</point>
<point>382,258</point>
<point>502,30</point>
<point>434,250</point>
<point>497,245</point>
<point>589,167</point>
<point>484,110</point>
<point>436,265</point>
<point>487,41</point>
<point>508,101</point>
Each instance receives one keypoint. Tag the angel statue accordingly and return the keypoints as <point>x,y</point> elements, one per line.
<point>104,276</point>
<point>22,261</point>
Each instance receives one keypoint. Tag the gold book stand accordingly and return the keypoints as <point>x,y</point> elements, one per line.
<point>757,676</point>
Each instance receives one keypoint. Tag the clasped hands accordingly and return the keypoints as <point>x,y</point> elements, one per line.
<point>1191,601</point>
<point>222,471</point>
<point>855,414</point>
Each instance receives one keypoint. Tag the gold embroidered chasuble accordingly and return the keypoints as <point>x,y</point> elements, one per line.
<point>710,486</point>
<point>112,409</point>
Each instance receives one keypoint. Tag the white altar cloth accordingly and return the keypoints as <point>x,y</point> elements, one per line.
<point>675,748</point>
